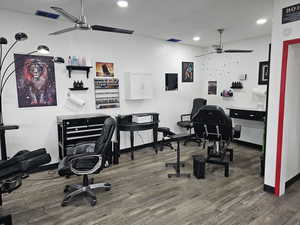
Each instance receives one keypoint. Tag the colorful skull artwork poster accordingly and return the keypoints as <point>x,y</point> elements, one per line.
<point>35,79</point>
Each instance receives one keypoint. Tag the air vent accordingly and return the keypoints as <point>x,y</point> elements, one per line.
<point>173,40</point>
<point>46,14</point>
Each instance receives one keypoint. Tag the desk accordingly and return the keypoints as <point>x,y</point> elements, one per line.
<point>4,128</point>
<point>252,122</point>
<point>124,123</point>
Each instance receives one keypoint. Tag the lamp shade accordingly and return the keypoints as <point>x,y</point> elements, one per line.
<point>21,36</point>
<point>59,60</point>
<point>43,49</point>
<point>3,41</point>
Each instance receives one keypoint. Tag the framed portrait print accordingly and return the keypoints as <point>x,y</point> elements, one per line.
<point>187,71</point>
<point>263,74</point>
<point>35,80</point>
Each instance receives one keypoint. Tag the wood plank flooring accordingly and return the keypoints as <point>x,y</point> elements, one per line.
<point>142,194</point>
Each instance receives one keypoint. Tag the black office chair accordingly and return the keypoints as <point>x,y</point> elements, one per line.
<point>186,120</point>
<point>215,127</point>
<point>88,158</point>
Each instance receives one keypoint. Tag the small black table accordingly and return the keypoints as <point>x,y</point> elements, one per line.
<point>125,123</point>
<point>4,128</point>
<point>178,164</point>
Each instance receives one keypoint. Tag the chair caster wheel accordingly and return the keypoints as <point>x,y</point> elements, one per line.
<point>63,204</point>
<point>93,202</point>
<point>66,189</point>
<point>107,187</point>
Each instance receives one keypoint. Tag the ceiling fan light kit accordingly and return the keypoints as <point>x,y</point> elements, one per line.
<point>81,23</point>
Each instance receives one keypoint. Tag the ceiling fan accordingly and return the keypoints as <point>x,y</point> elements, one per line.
<point>219,48</point>
<point>81,23</point>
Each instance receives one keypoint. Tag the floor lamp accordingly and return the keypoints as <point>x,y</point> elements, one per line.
<point>5,74</point>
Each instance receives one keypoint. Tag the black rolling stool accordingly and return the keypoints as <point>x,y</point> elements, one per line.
<point>166,132</point>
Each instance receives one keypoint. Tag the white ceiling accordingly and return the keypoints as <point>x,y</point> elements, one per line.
<point>165,19</point>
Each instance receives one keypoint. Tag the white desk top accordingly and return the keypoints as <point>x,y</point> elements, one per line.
<point>247,108</point>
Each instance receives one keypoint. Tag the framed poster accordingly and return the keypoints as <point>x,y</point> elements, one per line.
<point>263,73</point>
<point>104,69</point>
<point>187,71</point>
<point>212,87</point>
<point>35,80</point>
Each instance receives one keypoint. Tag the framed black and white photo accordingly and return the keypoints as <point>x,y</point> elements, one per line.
<point>187,71</point>
<point>263,74</point>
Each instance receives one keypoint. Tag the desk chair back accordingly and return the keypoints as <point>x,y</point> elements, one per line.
<point>101,146</point>
<point>198,103</point>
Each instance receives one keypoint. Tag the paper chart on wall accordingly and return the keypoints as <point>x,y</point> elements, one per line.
<point>107,93</point>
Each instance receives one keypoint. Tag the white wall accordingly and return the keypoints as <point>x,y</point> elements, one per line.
<point>129,53</point>
<point>291,140</point>
<point>280,32</point>
<point>226,68</point>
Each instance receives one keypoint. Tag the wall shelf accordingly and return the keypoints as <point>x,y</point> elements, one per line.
<point>70,68</point>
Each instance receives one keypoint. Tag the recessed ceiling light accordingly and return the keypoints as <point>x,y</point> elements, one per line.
<point>196,38</point>
<point>122,3</point>
<point>261,21</point>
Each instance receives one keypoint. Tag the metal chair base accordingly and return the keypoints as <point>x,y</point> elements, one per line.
<point>73,191</point>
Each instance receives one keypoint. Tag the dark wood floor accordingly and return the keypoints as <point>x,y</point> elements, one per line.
<point>142,194</point>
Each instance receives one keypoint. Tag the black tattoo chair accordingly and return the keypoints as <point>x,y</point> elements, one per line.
<point>17,168</point>
<point>215,126</point>
<point>186,120</point>
<point>88,158</point>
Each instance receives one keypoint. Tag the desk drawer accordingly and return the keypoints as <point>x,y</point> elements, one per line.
<point>247,114</point>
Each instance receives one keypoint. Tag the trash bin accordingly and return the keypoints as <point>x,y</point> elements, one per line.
<point>199,166</point>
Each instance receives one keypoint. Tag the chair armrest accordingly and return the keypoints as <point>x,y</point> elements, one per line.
<point>237,131</point>
<point>81,148</point>
<point>185,115</point>
<point>75,158</point>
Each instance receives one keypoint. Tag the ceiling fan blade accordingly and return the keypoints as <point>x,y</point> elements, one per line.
<point>67,15</point>
<point>111,29</point>
<point>64,31</point>
<point>209,53</point>
<point>237,51</point>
